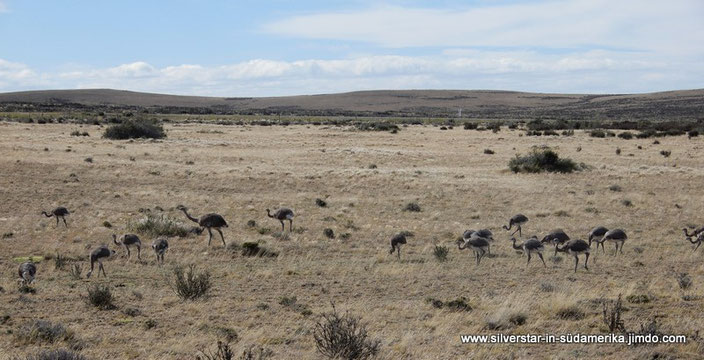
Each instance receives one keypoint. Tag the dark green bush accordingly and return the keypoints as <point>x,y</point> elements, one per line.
<point>625,135</point>
<point>101,297</point>
<point>597,133</point>
<point>134,129</point>
<point>343,337</point>
<point>545,160</point>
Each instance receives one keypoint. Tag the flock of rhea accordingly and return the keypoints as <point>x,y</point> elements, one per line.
<point>28,270</point>
<point>478,241</point>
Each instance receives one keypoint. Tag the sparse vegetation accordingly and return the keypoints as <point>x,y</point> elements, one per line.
<point>59,354</point>
<point>611,315</point>
<point>43,332</point>
<point>412,207</point>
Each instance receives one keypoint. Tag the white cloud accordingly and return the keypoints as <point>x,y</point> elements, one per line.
<point>646,25</point>
<point>585,72</point>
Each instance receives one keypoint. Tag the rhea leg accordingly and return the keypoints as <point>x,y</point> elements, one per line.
<point>221,236</point>
<point>210,237</point>
<point>139,252</point>
<point>576,261</point>
<point>64,219</point>
<point>398,251</point>
<point>101,268</point>
<point>282,226</point>
<point>290,224</point>
<point>528,262</point>
<point>128,252</point>
<point>541,259</point>
<point>621,249</point>
<point>697,247</point>
<point>57,221</point>
<point>586,260</point>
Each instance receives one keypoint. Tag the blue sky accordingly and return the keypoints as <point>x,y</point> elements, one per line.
<point>273,48</point>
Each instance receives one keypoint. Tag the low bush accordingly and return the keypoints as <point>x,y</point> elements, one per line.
<point>101,297</point>
<point>43,331</point>
<point>190,285</point>
<point>134,129</point>
<point>343,337</point>
<point>159,225</point>
<point>440,253</point>
<point>545,160</point>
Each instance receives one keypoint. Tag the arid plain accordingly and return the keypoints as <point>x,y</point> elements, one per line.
<point>239,171</point>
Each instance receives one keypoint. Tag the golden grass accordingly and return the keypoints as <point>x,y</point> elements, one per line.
<point>243,170</point>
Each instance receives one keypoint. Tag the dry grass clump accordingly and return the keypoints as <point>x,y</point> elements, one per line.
<point>58,354</point>
<point>190,285</point>
<point>251,249</point>
<point>343,337</point>
<point>542,160</point>
<point>101,297</point>
<point>611,313</point>
<point>570,312</point>
<point>133,129</point>
<point>440,252</point>
<point>43,332</point>
<point>159,225</point>
<point>459,304</point>
<point>505,318</point>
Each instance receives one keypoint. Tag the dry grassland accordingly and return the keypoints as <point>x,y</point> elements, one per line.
<point>238,171</point>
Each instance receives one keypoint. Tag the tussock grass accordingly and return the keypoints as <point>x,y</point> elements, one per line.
<point>154,225</point>
<point>189,284</point>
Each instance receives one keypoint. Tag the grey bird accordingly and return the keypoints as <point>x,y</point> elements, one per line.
<point>160,246</point>
<point>575,248</point>
<point>26,271</point>
<point>483,233</point>
<point>59,212</point>
<point>208,221</point>
<point>128,240</point>
<point>97,255</point>
<point>281,215</point>
<point>479,246</point>
<point>396,242</point>
<point>618,237</point>
<point>556,237</point>
<point>529,247</point>
<point>597,234</point>
<point>517,220</point>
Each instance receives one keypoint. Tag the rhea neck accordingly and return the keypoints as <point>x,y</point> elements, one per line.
<point>188,216</point>
<point>47,214</point>
<point>269,214</point>
<point>517,247</point>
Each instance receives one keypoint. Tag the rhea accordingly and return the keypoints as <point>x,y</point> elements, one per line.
<point>556,237</point>
<point>618,236</point>
<point>479,246</point>
<point>128,240</point>
<point>575,248</point>
<point>59,212</point>
<point>160,246</point>
<point>281,215</point>
<point>98,255</point>
<point>699,234</point>
<point>529,247</point>
<point>597,234</point>
<point>396,242</point>
<point>483,233</point>
<point>517,220</point>
<point>208,221</point>
<point>27,270</point>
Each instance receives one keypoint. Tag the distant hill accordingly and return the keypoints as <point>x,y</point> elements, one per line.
<point>684,104</point>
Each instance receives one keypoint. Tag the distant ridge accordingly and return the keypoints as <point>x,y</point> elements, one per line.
<point>682,104</point>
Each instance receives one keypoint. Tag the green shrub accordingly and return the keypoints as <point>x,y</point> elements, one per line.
<point>597,133</point>
<point>545,160</point>
<point>134,129</point>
